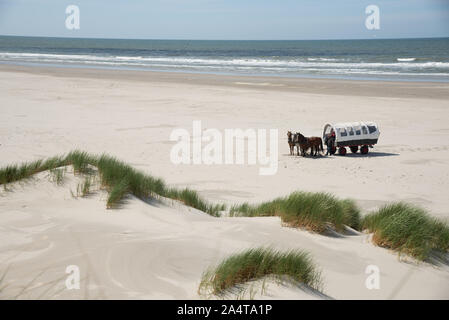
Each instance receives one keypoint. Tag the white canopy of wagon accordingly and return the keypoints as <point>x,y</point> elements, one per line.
<point>353,133</point>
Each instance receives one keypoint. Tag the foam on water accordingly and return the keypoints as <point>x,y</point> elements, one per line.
<point>289,58</point>
<point>406,59</point>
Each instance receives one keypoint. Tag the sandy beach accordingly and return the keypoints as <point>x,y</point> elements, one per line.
<point>160,250</point>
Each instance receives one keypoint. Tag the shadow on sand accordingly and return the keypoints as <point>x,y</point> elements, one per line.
<point>372,154</point>
<point>313,292</point>
<point>347,232</point>
<point>259,287</point>
<point>439,259</point>
<point>348,155</point>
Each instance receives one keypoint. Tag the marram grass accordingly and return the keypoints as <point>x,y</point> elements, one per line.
<point>117,177</point>
<point>292,266</point>
<point>57,176</point>
<point>84,188</point>
<point>16,172</point>
<point>399,226</point>
<point>309,210</point>
<point>408,229</point>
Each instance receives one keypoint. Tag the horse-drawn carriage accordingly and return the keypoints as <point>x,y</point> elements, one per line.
<point>352,135</point>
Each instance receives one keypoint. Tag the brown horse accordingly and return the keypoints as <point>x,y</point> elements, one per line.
<point>301,143</point>
<point>291,144</point>
<point>315,144</point>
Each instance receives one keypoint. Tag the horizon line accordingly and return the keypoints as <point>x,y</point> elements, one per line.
<point>174,39</point>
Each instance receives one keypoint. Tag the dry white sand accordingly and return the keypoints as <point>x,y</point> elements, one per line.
<point>155,250</point>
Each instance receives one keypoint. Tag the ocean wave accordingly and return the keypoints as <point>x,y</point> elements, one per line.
<point>315,65</point>
<point>324,59</point>
<point>403,63</point>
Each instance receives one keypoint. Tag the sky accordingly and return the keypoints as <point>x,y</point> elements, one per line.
<point>226,19</point>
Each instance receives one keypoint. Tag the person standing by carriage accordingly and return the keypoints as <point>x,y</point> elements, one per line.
<point>330,142</point>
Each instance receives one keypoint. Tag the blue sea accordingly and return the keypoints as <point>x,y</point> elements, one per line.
<point>392,59</point>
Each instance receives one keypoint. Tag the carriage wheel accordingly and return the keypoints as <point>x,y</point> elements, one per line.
<point>364,149</point>
<point>354,149</point>
<point>342,151</point>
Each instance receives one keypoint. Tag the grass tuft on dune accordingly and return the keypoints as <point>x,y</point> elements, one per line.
<point>16,172</point>
<point>293,266</point>
<point>117,177</point>
<point>80,161</point>
<point>309,210</point>
<point>407,229</point>
<point>399,226</point>
<point>57,176</point>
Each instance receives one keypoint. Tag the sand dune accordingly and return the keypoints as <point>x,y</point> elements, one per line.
<point>159,250</point>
